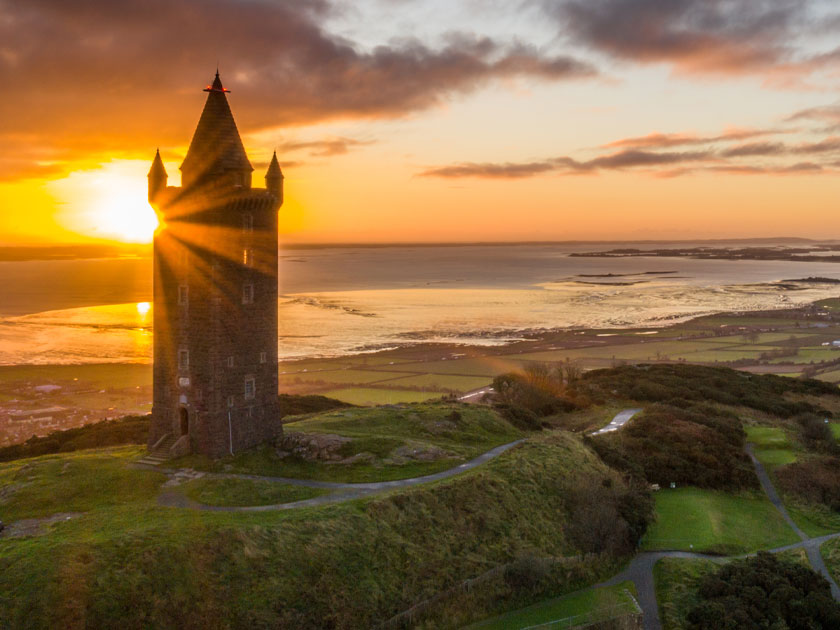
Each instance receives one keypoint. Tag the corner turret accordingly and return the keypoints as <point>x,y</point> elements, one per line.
<point>157,178</point>
<point>274,180</point>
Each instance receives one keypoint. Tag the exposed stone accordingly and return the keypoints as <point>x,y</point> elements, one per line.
<point>182,475</point>
<point>311,446</point>
<point>34,526</point>
<point>408,453</point>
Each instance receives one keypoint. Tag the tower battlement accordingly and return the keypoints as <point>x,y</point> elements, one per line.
<point>215,294</point>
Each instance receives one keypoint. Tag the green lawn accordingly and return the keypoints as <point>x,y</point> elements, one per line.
<point>373,396</point>
<point>835,430</point>
<point>772,446</point>
<point>235,492</point>
<point>715,522</point>
<point>589,606</point>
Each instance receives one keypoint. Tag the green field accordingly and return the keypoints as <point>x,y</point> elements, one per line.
<point>235,492</point>
<point>442,382</point>
<point>373,396</point>
<point>772,447</point>
<point>105,375</point>
<point>340,377</point>
<point>835,430</point>
<point>584,607</point>
<point>691,519</point>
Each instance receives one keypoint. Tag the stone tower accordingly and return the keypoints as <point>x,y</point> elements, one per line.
<point>215,294</point>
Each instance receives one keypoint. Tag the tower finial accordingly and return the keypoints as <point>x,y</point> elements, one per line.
<point>217,85</point>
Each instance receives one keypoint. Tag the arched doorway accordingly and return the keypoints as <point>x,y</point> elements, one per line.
<point>185,421</point>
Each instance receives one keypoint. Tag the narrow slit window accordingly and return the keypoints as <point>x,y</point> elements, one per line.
<point>248,257</point>
<point>183,295</point>
<point>250,388</point>
<point>230,362</point>
<point>263,357</point>
<point>248,294</point>
<point>230,401</point>
<point>183,359</point>
<point>248,222</point>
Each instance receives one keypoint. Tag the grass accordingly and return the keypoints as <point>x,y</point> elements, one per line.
<point>373,396</point>
<point>442,382</point>
<point>677,581</point>
<point>341,377</point>
<point>814,520</point>
<point>835,430</point>
<point>691,519</point>
<point>238,492</point>
<point>589,606</point>
<point>455,431</point>
<point>772,446</point>
<point>830,552</point>
<point>75,482</point>
<point>129,563</point>
<point>104,375</point>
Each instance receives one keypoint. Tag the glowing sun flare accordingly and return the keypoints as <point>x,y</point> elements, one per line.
<point>121,210</point>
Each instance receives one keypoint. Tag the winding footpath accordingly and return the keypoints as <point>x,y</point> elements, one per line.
<point>639,571</point>
<point>173,498</point>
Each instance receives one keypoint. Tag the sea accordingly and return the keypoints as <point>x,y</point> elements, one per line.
<point>340,300</point>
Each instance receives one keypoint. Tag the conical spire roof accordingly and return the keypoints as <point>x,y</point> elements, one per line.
<point>157,166</point>
<point>274,170</point>
<point>216,146</point>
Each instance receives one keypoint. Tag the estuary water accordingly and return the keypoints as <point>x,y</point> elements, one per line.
<point>345,300</point>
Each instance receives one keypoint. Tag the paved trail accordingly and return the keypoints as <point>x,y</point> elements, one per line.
<point>640,569</point>
<point>621,418</point>
<point>173,498</point>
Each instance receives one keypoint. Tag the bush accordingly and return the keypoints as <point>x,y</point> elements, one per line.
<point>534,392</point>
<point>657,383</point>
<point>764,593</point>
<point>814,481</point>
<point>699,446</point>
<point>607,517</point>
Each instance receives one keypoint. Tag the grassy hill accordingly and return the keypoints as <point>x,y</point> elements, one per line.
<point>125,562</point>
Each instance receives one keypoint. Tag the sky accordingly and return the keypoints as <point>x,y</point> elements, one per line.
<point>432,120</point>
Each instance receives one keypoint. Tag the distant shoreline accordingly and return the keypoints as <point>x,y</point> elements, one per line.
<point>23,253</point>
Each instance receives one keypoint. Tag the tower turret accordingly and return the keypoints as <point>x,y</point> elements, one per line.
<point>274,180</point>
<point>157,177</point>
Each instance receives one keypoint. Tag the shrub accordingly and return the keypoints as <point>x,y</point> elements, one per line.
<point>764,592</point>
<point>699,446</point>
<point>657,383</point>
<point>814,481</point>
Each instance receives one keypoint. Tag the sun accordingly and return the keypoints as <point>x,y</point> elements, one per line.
<point>121,209</point>
<point>108,202</point>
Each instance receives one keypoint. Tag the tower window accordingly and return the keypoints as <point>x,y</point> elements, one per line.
<point>183,359</point>
<point>250,388</point>
<point>230,401</point>
<point>263,357</point>
<point>183,295</point>
<point>248,222</point>
<point>248,257</point>
<point>230,362</point>
<point>248,294</point>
